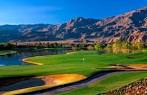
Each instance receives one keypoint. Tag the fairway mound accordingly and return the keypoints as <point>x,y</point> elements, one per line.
<point>41,82</point>
<point>136,88</point>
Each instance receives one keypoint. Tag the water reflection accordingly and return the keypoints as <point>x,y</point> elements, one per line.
<point>16,59</point>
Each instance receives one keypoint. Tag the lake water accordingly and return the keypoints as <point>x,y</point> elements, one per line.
<point>16,59</point>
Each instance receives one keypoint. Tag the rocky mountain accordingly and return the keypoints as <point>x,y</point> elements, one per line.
<point>131,26</point>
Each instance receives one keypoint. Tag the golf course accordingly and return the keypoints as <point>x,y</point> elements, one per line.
<point>82,63</point>
<point>73,47</point>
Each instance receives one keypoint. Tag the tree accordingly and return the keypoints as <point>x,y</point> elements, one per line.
<point>138,45</point>
<point>98,46</point>
<point>126,45</point>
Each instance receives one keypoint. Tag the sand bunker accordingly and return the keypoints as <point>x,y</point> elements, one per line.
<point>62,78</point>
<point>49,82</point>
<point>138,66</point>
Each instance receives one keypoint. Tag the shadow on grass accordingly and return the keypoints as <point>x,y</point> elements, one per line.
<point>15,83</point>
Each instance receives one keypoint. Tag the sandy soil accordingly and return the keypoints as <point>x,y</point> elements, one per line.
<point>61,78</point>
<point>138,66</point>
<point>41,82</point>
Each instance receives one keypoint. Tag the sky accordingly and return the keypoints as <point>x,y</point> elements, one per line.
<point>59,11</point>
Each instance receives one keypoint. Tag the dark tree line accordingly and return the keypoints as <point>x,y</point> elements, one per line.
<point>114,46</point>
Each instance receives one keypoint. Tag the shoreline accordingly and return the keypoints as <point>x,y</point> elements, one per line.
<point>7,52</point>
<point>25,60</point>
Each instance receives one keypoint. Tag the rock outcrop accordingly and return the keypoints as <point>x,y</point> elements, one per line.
<point>136,88</point>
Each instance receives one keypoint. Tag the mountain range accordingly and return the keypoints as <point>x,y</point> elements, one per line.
<point>130,26</point>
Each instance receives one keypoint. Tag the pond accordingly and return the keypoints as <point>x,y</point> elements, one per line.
<point>16,59</point>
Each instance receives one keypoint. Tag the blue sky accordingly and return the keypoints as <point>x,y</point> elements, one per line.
<point>59,11</point>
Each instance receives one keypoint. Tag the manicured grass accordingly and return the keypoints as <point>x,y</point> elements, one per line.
<point>73,63</point>
<point>6,52</point>
<point>109,83</point>
<point>91,57</point>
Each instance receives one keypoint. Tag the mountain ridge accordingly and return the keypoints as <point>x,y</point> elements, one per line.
<point>130,26</point>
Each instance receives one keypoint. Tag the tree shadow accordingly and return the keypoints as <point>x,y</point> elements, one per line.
<point>15,83</point>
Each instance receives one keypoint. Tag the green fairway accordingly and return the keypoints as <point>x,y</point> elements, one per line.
<point>82,62</point>
<point>72,63</point>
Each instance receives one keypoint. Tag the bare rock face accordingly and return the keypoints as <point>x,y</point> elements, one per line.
<point>131,27</point>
